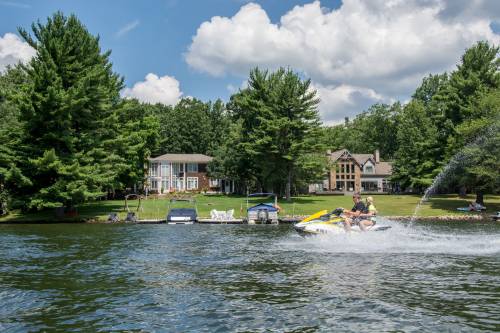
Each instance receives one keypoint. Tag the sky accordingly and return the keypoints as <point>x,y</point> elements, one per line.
<point>356,52</point>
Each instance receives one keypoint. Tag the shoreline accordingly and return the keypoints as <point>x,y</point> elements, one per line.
<point>285,220</point>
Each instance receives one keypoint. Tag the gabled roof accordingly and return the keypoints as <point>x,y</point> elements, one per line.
<point>362,158</point>
<point>183,158</point>
<point>336,154</point>
<point>383,168</point>
<point>358,158</point>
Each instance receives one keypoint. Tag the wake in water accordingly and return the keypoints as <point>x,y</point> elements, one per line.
<point>401,239</point>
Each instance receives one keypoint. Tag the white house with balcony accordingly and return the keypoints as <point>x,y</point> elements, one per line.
<point>183,172</point>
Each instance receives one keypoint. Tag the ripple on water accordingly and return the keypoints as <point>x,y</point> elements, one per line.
<point>248,278</point>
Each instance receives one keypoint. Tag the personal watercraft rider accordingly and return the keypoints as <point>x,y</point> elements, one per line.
<point>369,219</point>
<point>354,216</point>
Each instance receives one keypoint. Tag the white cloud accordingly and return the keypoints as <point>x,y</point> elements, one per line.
<point>345,101</point>
<point>127,28</point>
<point>154,89</point>
<point>13,50</point>
<point>385,47</point>
<point>15,4</point>
<point>231,88</point>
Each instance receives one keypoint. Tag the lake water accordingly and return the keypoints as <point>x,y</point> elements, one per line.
<point>230,278</point>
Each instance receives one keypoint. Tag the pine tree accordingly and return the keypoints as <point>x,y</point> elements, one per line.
<point>68,115</point>
<point>279,124</point>
<point>416,135</point>
<point>11,134</point>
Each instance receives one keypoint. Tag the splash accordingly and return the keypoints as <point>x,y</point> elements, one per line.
<point>401,239</point>
<point>458,160</point>
<point>461,159</point>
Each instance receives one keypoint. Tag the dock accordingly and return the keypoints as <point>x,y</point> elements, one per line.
<point>152,221</point>
<point>212,221</point>
<point>285,220</point>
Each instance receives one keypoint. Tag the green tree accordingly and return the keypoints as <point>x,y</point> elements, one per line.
<point>455,109</point>
<point>68,115</point>
<point>11,134</point>
<point>480,137</point>
<point>138,136</point>
<point>279,125</point>
<point>430,86</point>
<point>476,75</point>
<point>416,136</point>
<point>374,128</point>
<point>190,126</point>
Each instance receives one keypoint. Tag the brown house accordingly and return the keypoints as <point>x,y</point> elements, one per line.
<point>183,172</point>
<point>355,173</point>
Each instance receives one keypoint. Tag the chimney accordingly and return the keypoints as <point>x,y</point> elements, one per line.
<point>377,156</point>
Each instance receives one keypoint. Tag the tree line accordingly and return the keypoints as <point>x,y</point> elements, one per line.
<point>67,136</point>
<point>451,117</point>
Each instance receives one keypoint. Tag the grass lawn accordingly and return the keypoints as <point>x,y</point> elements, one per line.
<point>152,208</point>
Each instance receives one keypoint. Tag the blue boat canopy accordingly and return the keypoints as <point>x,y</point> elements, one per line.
<point>261,195</point>
<point>262,206</point>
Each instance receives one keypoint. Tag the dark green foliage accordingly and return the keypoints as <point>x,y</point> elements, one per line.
<point>414,165</point>
<point>431,85</point>
<point>475,76</point>
<point>138,135</point>
<point>192,126</point>
<point>480,170</point>
<point>11,135</point>
<point>68,113</point>
<point>373,129</point>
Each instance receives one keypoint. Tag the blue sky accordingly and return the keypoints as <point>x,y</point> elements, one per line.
<point>161,31</point>
<point>357,53</point>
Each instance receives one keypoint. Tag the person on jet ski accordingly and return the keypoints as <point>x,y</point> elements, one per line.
<point>368,218</point>
<point>354,216</point>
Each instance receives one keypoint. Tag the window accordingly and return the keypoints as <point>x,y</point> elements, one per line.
<point>371,186</point>
<point>165,170</point>
<point>369,169</point>
<point>214,182</point>
<point>337,168</point>
<point>178,183</point>
<point>340,186</point>
<point>386,185</point>
<point>154,184</point>
<point>192,167</point>
<point>165,184</point>
<point>350,186</point>
<point>352,168</point>
<point>192,183</point>
<point>342,170</point>
<point>176,168</point>
<point>153,170</point>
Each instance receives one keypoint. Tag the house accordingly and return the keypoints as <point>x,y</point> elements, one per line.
<point>183,172</point>
<point>355,173</point>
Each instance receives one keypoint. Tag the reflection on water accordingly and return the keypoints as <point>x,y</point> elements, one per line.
<point>248,278</point>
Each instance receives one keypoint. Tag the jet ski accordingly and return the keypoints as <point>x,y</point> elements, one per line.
<point>323,222</point>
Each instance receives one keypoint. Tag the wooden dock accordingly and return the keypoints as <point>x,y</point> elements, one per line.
<point>212,221</point>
